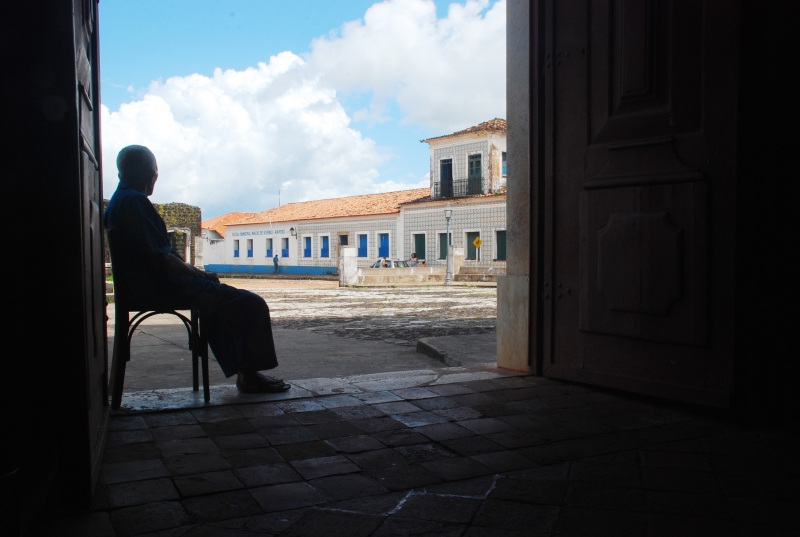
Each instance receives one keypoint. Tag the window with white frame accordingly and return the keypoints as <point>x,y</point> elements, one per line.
<point>236,248</point>
<point>324,246</point>
<point>307,246</point>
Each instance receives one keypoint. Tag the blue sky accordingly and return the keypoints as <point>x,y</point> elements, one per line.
<point>384,112</point>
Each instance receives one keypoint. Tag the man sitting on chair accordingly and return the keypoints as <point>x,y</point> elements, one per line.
<point>237,322</point>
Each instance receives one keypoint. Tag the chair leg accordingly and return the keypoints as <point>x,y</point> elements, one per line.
<point>203,348</point>
<point>121,356</point>
<point>193,343</point>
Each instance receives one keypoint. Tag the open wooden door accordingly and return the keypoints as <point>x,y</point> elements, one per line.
<point>639,137</point>
<point>91,199</point>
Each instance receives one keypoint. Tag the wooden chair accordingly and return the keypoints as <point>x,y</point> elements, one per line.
<point>125,303</point>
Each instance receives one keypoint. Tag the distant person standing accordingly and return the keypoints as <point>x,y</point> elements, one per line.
<point>275,262</point>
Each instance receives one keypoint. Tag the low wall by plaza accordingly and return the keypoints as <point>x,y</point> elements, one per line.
<point>368,276</point>
<point>269,269</point>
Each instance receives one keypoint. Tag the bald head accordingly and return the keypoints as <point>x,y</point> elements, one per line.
<point>137,166</point>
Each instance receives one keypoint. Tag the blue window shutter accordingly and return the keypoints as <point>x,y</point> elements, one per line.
<point>307,247</point>
<point>325,250</point>
<point>383,248</point>
<point>362,246</point>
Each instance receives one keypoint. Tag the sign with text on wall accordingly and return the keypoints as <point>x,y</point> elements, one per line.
<point>253,233</point>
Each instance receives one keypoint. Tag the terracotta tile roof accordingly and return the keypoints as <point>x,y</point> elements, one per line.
<point>220,223</point>
<point>369,204</point>
<point>427,199</point>
<point>493,125</point>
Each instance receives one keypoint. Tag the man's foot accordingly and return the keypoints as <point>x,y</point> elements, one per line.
<point>260,383</point>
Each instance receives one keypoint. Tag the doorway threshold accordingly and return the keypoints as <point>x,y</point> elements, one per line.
<point>360,386</point>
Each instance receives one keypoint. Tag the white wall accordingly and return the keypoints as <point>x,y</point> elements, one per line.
<point>259,233</point>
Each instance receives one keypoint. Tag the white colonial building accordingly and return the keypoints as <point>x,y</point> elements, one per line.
<point>468,172</point>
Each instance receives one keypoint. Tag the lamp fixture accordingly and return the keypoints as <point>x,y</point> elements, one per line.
<point>293,232</point>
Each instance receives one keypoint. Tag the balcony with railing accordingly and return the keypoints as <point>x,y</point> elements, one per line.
<point>458,188</point>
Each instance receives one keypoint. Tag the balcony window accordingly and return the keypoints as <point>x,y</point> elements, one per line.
<point>446,178</point>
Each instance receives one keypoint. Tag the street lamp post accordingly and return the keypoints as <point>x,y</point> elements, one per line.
<point>448,213</point>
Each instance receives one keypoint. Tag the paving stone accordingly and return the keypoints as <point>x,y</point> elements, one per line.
<point>178,432</point>
<point>458,414</point>
<point>267,474</point>
<point>418,419</point>
<point>376,425</point>
<point>222,506</point>
<point>305,450</point>
<point>456,468</point>
<point>316,417</point>
<point>678,480</point>
<point>514,394</point>
<point>686,504</point>
<point>122,472</point>
<point>196,463</point>
<point>623,458</point>
<point>471,399</point>
<point>337,401</point>
<point>581,447</point>
<point>534,519</point>
<point>324,431</point>
<point>303,405</point>
<point>397,407</point>
<point>100,500</point>
<point>440,508</point>
<point>131,452</point>
<point>587,426</point>
<point>206,483</point>
<point>669,525</point>
<point>218,413</point>
<point>288,435</point>
<point>396,526</point>
<point>414,393</point>
<point>473,445</point>
<point>354,444</point>
<point>600,522</point>
<point>288,496</point>
<point>227,427</point>
<point>444,431</point>
<point>261,410</point>
<point>137,436</point>
<point>400,437</point>
<point>361,412</point>
<point>537,491</point>
<point>186,446</point>
<point>486,425</point>
<point>515,439</point>
<point>673,459</point>
<point>485,385</point>
<point>148,518</point>
<point>318,522</point>
<point>140,492</point>
<point>377,397</point>
<point>605,474</point>
<point>380,504</point>
<point>450,389</point>
<point>405,477</point>
<point>265,423</point>
<point>476,487</point>
<point>324,466</point>
<point>436,403</point>
<point>494,410</point>
<point>554,471</point>
<point>126,423</point>
<point>345,487</point>
<point>240,441</point>
<point>477,531</point>
<point>515,382</point>
<point>252,457</point>
<point>273,523</point>
<point>378,459</point>
<point>593,496</point>
<point>204,531</point>
<point>502,461</point>
<point>168,419</point>
<point>424,453</point>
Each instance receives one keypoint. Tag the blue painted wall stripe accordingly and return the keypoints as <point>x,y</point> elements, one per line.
<point>264,269</point>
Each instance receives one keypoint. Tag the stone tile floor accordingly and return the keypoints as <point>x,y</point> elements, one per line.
<point>502,457</point>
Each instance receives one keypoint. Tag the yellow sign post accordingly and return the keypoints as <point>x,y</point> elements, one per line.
<point>477,242</point>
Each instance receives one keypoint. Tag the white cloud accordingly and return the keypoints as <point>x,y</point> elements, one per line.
<point>232,140</point>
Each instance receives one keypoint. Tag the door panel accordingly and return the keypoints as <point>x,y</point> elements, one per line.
<point>87,97</point>
<point>630,184</point>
